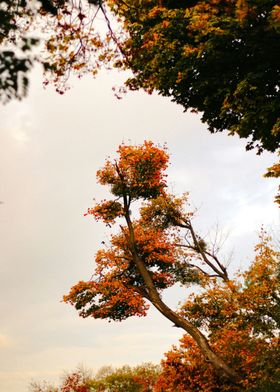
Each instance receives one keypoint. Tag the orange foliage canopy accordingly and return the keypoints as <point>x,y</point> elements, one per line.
<point>118,290</point>
<point>242,319</point>
<point>138,172</point>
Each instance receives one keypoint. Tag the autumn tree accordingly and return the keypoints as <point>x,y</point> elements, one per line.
<point>141,378</point>
<point>151,252</point>
<point>242,318</point>
<point>75,381</point>
<point>217,57</point>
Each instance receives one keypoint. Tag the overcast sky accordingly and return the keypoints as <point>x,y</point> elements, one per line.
<point>51,147</point>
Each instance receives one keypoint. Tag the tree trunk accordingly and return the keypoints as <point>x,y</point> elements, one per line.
<point>220,366</point>
<point>222,369</point>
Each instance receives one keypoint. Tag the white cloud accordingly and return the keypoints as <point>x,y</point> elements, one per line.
<point>6,341</point>
<point>19,135</point>
<point>18,123</point>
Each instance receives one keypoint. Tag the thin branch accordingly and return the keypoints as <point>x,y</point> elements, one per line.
<point>200,269</point>
<point>221,271</point>
<point>112,34</point>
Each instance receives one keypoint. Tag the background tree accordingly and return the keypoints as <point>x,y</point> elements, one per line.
<point>76,381</point>
<point>242,318</point>
<point>141,378</point>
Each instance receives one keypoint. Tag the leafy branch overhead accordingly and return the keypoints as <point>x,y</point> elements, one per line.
<point>219,58</point>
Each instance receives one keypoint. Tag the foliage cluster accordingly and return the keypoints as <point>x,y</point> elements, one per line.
<point>274,171</point>
<point>16,46</point>
<point>216,57</point>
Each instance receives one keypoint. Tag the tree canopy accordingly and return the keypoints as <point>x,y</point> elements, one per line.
<point>217,57</point>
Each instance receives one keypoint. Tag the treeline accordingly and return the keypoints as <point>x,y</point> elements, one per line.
<point>126,378</point>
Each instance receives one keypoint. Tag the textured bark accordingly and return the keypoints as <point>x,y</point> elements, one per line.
<point>153,296</point>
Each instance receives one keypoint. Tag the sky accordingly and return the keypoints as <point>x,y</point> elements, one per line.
<point>51,147</point>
